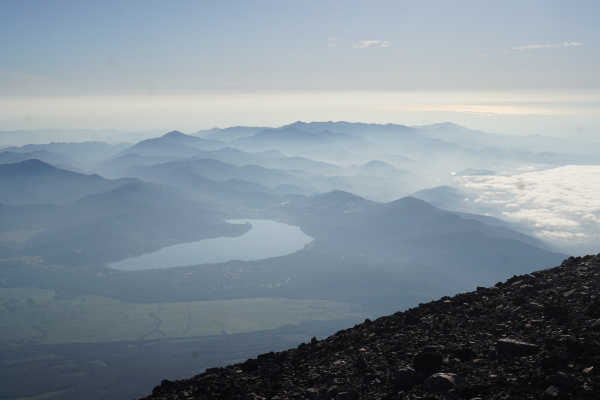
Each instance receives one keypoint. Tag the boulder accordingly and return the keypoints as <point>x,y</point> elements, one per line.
<point>439,382</point>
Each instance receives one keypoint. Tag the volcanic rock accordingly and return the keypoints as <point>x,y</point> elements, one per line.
<point>404,378</point>
<point>516,347</point>
<point>535,336</point>
<point>439,382</point>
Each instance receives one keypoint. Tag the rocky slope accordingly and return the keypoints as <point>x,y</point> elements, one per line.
<point>535,336</point>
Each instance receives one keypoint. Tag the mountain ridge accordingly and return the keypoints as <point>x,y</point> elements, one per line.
<point>532,336</point>
<point>33,181</point>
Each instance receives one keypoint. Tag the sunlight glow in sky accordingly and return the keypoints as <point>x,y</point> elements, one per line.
<point>521,113</point>
<point>506,67</point>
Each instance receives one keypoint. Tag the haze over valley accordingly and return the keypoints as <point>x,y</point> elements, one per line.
<point>186,185</point>
<point>108,246</point>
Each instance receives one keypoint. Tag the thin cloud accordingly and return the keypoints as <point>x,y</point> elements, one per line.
<point>332,41</point>
<point>363,44</point>
<point>546,46</point>
<point>536,46</point>
<point>491,110</point>
<point>20,79</point>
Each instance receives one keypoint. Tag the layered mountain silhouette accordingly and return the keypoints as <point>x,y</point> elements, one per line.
<point>173,143</point>
<point>392,227</point>
<point>10,157</point>
<point>33,182</point>
<point>82,153</point>
<point>229,134</point>
<point>93,220</point>
<point>407,244</point>
<point>217,171</point>
<point>408,237</point>
<point>293,141</point>
<point>130,220</point>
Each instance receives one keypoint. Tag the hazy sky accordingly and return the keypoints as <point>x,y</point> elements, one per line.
<point>504,66</point>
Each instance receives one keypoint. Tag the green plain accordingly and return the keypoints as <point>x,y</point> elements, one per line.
<point>43,316</point>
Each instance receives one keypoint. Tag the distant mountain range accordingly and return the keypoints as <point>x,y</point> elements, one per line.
<point>173,143</point>
<point>96,220</point>
<point>398,216</point>
<point>34,182</point>
<point>100,213</point>
<point>412,243</point>
<point>237,167</point>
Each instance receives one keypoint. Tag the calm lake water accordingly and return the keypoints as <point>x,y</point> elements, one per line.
<point>266,239</point>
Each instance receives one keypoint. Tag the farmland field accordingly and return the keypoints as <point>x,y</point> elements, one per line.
<point>43,316</point>
<point>79,341</point>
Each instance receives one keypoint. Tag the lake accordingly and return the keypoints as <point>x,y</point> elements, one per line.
<point>266,239</point>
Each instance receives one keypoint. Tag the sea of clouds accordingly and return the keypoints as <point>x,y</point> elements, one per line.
<point>560,205</point>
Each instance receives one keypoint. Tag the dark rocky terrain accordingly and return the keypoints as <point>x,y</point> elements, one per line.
<point>536,336</point>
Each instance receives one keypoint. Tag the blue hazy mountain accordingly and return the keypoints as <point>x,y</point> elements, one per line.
<point>54,159</point>
<point>169,173</point>
<point>270,159</point>
<point>118,166</point>
<point>84,153</point>
<point>412,240</point>
<point>131,163</point>
<point>33,182</point>
<point>478,140</point>
<point>229,134</point>
<point>173,143</point>
<point>230,155</point>
<point>32,217</point>
<point>329,205</point>
<point>374,249</point>
<point>25,137</point>
<point>325,154</point>
<point>399,135</point>
<point>130,220</point>
<point>353,128</point>
<point>448,198</point>
<point>293,141</point>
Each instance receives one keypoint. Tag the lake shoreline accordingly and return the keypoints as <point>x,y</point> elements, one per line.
<point>266,239</point>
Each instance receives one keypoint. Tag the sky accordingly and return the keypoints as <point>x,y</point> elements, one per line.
<point>517,67</point>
